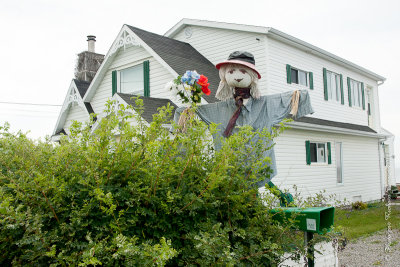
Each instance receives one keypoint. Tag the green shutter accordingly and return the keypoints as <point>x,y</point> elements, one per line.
<point>146,78</point>
<point>308,153</point>
<point>329,153</point>
<point>114,81</point>
<point>311,80</point>
<point>288,73</point>
<point>362,94</point>
<point>341,88</point>
<point>325,84</point>
<point>349,90</point>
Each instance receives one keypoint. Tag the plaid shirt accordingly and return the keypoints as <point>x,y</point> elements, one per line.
<point>261,113</point>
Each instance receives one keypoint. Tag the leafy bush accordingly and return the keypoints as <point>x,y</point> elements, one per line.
<point>359,205</point>
<point>143,198</point>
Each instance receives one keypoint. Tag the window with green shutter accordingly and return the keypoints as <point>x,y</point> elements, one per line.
<point>356,93</point>
<point>318,152</point>
<point>134,80</point>
<point>297,76</point>
<point>333,86</point>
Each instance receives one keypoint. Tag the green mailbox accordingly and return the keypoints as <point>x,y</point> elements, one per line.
<point>312,220</point>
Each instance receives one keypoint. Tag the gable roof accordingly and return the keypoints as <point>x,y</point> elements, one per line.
<point>150,104</point>
<point>181,57</point>
<point>175,56</point>
<point>82,86</point>
<point>76,91</point>
<point>281,36</point>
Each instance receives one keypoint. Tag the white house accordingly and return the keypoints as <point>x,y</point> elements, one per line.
<point>341,148</point>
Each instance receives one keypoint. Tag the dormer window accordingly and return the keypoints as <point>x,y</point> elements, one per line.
<point>133,80</point>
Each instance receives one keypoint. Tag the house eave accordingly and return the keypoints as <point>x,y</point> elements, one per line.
<point>330,129</point>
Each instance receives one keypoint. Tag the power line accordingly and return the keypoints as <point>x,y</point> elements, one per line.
<point>30,104</point>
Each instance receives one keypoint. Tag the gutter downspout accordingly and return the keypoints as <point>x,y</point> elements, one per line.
<point>381,171</point>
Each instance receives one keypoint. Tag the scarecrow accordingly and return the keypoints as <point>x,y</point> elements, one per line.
<point>242,104</point>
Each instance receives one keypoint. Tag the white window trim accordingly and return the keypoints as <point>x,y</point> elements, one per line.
<point>353,105</point>
<point>342,161</point>
<point>307,77</point>
<point>119,75</point>
<point>325,163</point>
<point>340,89</point>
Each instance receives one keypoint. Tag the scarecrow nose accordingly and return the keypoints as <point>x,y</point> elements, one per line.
<point>238,80</point>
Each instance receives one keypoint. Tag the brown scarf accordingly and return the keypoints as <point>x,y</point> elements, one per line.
<point>240,94</point>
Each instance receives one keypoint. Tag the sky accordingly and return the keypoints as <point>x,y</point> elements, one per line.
<point>40,39</point>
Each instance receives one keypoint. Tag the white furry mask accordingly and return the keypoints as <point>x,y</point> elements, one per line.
<point>239,76</point>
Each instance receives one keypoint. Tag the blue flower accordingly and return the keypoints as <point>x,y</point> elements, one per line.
<point>190,77</point>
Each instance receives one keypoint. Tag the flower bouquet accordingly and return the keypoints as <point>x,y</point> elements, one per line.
<point>188,88</point>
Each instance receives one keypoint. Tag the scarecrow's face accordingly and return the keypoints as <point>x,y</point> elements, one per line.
<point>238,76</point>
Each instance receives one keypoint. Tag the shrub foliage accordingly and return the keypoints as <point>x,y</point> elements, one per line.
<point>124,193</point>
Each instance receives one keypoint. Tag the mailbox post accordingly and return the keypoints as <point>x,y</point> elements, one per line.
<point>310,220</point>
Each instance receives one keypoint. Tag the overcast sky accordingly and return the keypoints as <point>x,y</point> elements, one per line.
<point>39,41</point>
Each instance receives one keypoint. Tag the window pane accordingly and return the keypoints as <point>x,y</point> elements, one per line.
<point>132,80</point>
<point>338,92</point>
<point>339,163</point>
<point>313,152</point>
<point>328,83</point>
<point>295,76</point>
<point>303,77</point>
<point>321,153</point>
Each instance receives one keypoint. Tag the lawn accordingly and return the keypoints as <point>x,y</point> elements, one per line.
<point>357,223</point>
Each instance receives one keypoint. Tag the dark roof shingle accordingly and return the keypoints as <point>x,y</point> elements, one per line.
<point>150,105</point>
<point>335,124</point>
<point>82,86</point>
<point>181,56</point>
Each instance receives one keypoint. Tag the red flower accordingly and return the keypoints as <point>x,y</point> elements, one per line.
<point>203,82</point>
<point>205,89</point>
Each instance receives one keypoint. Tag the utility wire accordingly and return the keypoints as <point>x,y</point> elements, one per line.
<point>30,104</point>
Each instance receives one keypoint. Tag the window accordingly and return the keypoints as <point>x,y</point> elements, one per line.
<point>356,93</point>
<point>318,152</point>
<point>297,76</point>
<point>339,163</point>
<point>333,86</point>
<point>134,80</point>
<point>131,80</point>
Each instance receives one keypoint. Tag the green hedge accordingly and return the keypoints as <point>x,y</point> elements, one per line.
<point>144,198</point>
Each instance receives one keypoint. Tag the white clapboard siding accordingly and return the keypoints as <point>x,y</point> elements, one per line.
<point>216,45</point>
<point>75,113</point>
<point>271,58</point>
<point>361,170</point>
<point>129,57</point>
<point>281,54</point>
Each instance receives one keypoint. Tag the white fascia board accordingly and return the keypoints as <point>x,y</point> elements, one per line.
<point>214,24</point>
<point>330,129</point>
<point>66,106</point>
<point>386,133</point>
<point>286,38</point>
<point>281,36</point>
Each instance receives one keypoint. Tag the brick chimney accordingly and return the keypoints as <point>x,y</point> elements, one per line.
<point>88,62</point>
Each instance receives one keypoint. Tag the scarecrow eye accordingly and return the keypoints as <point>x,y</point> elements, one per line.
<point>243,71</point>
<point>231,71</point>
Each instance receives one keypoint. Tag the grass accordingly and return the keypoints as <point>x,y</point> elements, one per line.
<point>358,223</point>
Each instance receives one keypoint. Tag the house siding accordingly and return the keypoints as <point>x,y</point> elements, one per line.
<point>216,45</point>
<point>361,170</point>
<point>75,113</point>
<point>271,58</point>
<point>281,54</point>
<point>129,57</point>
